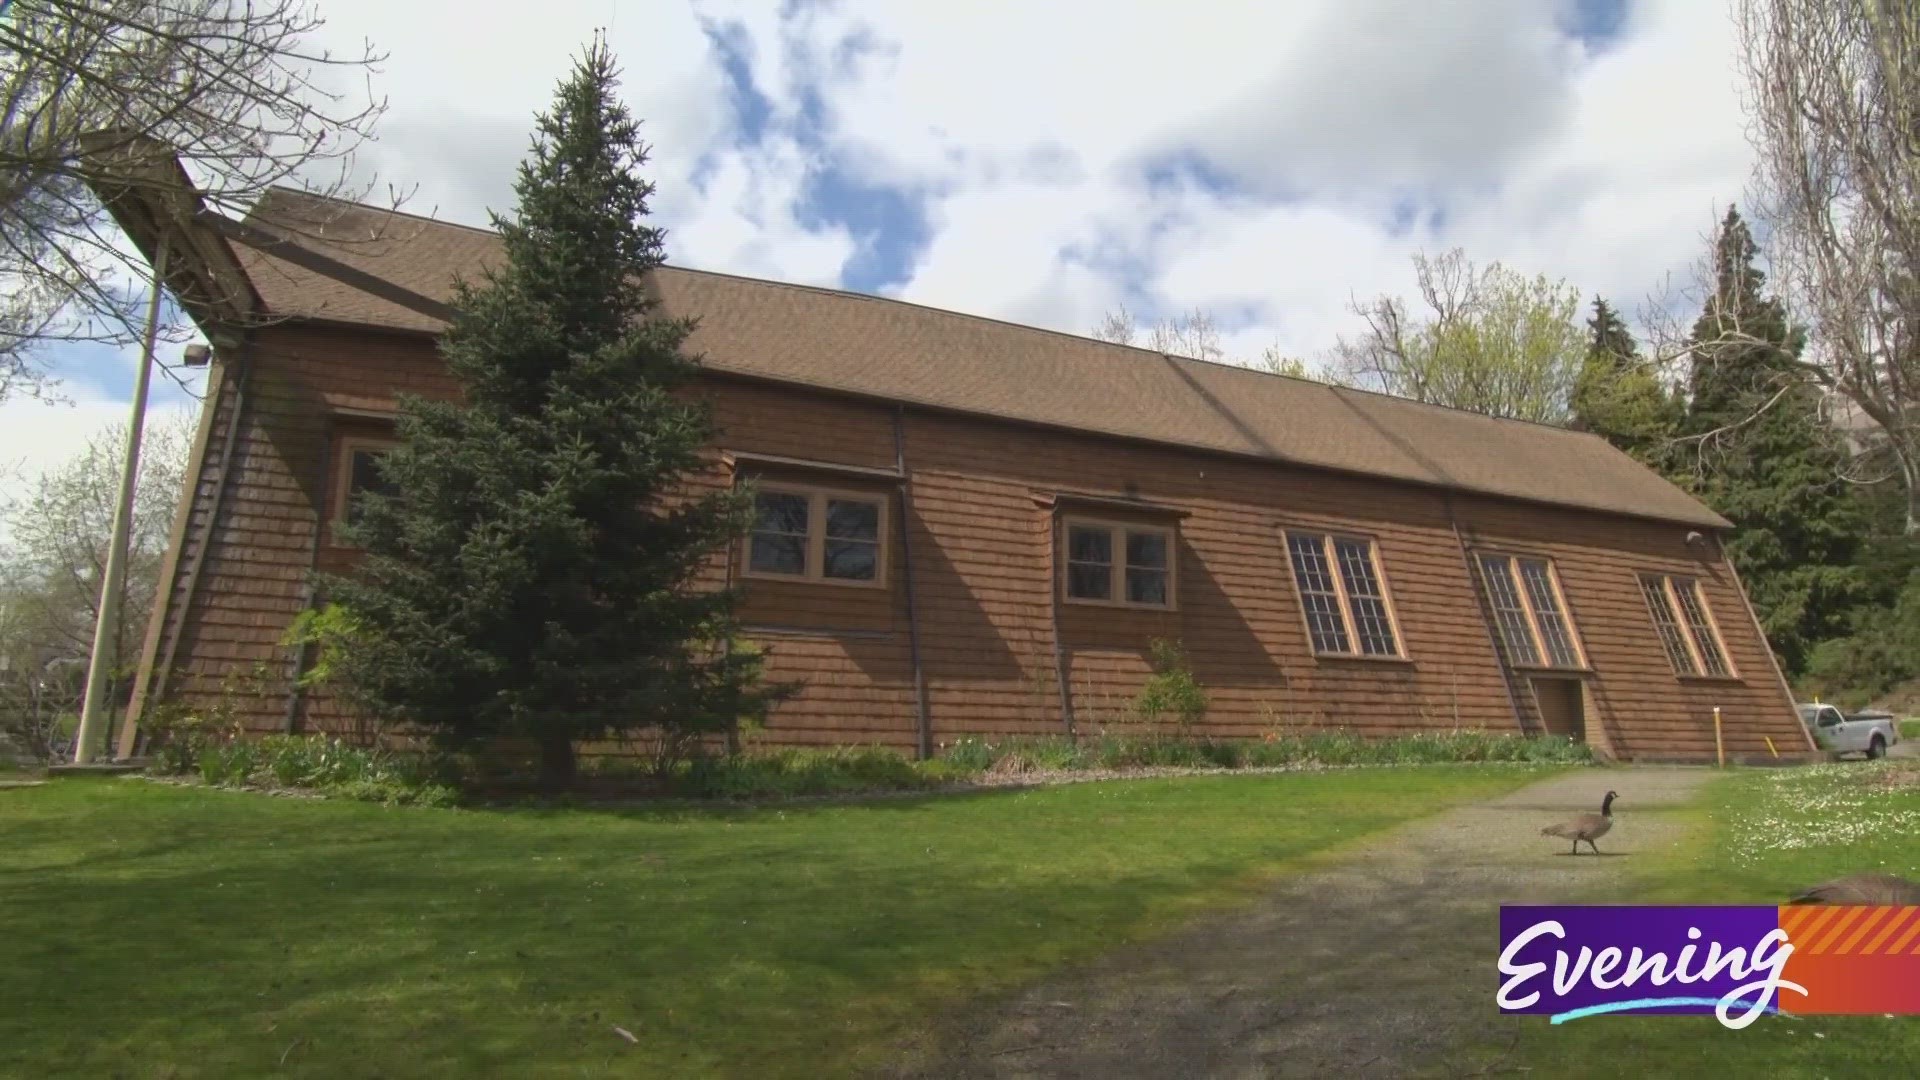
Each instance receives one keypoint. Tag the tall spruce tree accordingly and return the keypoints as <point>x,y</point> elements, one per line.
<point>530,575</point>
<point>1620,396</point>
<point>1762,456</point>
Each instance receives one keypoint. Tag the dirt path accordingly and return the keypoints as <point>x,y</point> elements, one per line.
<point>1362,968</point>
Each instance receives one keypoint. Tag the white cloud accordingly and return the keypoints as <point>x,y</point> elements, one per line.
<point>1600,168</point>
<point>1025,127</point>
<point>37,436</point>
<point>463,94</point>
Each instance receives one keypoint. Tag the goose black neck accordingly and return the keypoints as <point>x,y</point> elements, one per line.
<point>1606,805</point>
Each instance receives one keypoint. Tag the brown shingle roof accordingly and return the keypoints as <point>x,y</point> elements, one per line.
<point>904,352</point>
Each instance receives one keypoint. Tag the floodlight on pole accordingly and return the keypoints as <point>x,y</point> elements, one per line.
<point>101,661</point>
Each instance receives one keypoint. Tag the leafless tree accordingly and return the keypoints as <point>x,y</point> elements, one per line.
<point>1491,341</point>
<point>233,87</point>
<point>1833,96</point>
<point>1196,335</point>
<point>53,548</point>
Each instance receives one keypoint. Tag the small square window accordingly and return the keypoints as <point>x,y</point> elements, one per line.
<point>778,544</point>
<point>815,534</point>
<point>1141,575</point>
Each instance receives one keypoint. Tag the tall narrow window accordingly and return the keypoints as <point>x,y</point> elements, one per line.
<point>1530,611</point>
<point>852,550</point>
<point>778,544</point>
<point>1090,562</point>
<point>1672,638</point>
<point>1112,563</point>
<point>1343,595</point>
<point>816,534</point>
<point>360,473</point>
<point>1686,625</point>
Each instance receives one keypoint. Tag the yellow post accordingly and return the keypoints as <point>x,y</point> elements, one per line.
<point>1770,747</point>
<point>1719,747</point>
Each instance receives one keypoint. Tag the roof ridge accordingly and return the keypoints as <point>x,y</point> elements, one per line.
<point>288,189</point>
<point>1028,327</point>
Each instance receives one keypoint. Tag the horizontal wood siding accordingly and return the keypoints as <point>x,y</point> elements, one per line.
<point>986,587</point>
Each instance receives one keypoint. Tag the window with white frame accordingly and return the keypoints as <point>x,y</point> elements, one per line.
<point>1343,595</point>
<point>811,533</point>
<point>1108,562</point>
<point>1685,625</point>
<point>1530,611</point>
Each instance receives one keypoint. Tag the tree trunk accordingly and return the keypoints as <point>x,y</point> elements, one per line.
<point>557,764</point>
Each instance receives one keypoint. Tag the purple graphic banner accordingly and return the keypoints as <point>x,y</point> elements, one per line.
<point>1571,962</point>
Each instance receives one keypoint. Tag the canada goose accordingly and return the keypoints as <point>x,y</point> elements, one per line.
<point>1868,889</point>
<point>1588,827</point>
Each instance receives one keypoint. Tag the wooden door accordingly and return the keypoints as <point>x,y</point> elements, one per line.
<point>1562,707</point>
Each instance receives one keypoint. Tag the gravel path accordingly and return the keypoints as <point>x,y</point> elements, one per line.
<point>1362,967</point>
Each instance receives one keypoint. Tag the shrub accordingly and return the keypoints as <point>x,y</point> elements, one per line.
<point>319,763</point>
<point>330,630</point>
<point>969,755</point>
<point>1172,689</point>
<point>229,763</point>
<point>173,739</point>
<point>794,772</point>
<point>1324,747</point>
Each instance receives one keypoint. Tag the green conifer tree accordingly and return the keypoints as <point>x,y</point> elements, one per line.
<point>1620,396</point>
<point>530,574</point>
<point>1760,454</point>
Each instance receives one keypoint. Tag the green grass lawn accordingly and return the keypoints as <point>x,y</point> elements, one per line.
<point>1910,728</point>
<point>1763,835</point>
<point>170,932</point>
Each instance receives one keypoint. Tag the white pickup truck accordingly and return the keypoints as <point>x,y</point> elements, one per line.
<point>1868,733</point>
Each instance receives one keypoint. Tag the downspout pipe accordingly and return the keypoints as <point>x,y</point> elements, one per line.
<point>1061,674</point>
<point>923,716</point>
<point>310,593</point>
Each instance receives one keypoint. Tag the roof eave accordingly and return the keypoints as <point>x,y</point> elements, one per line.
<point>151,198</point>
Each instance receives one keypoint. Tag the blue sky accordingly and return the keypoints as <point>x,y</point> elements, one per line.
<point>1047,162</point>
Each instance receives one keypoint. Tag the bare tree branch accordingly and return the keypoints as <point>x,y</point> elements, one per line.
<point>1833,97</point>
<point>233,87</point>
<point>1195,335</point>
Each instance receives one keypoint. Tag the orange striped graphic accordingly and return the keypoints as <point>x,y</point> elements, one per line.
<point>1912,932</point>
<point>1849,915</point>
<point>1811,922</point>
<point>1874,918</point>
<point>1902,916</point>
<point>1794,919</point>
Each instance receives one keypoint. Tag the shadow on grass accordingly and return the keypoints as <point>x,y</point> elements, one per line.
<point>354,939</point>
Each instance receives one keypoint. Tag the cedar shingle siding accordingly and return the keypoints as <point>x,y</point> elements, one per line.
<point>1003,432</point>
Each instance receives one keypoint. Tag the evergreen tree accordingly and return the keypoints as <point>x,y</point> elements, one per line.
<point>1620,396</point>
<point>530,574</point>
<point>1883,649</point>
<point>1761,455</point>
